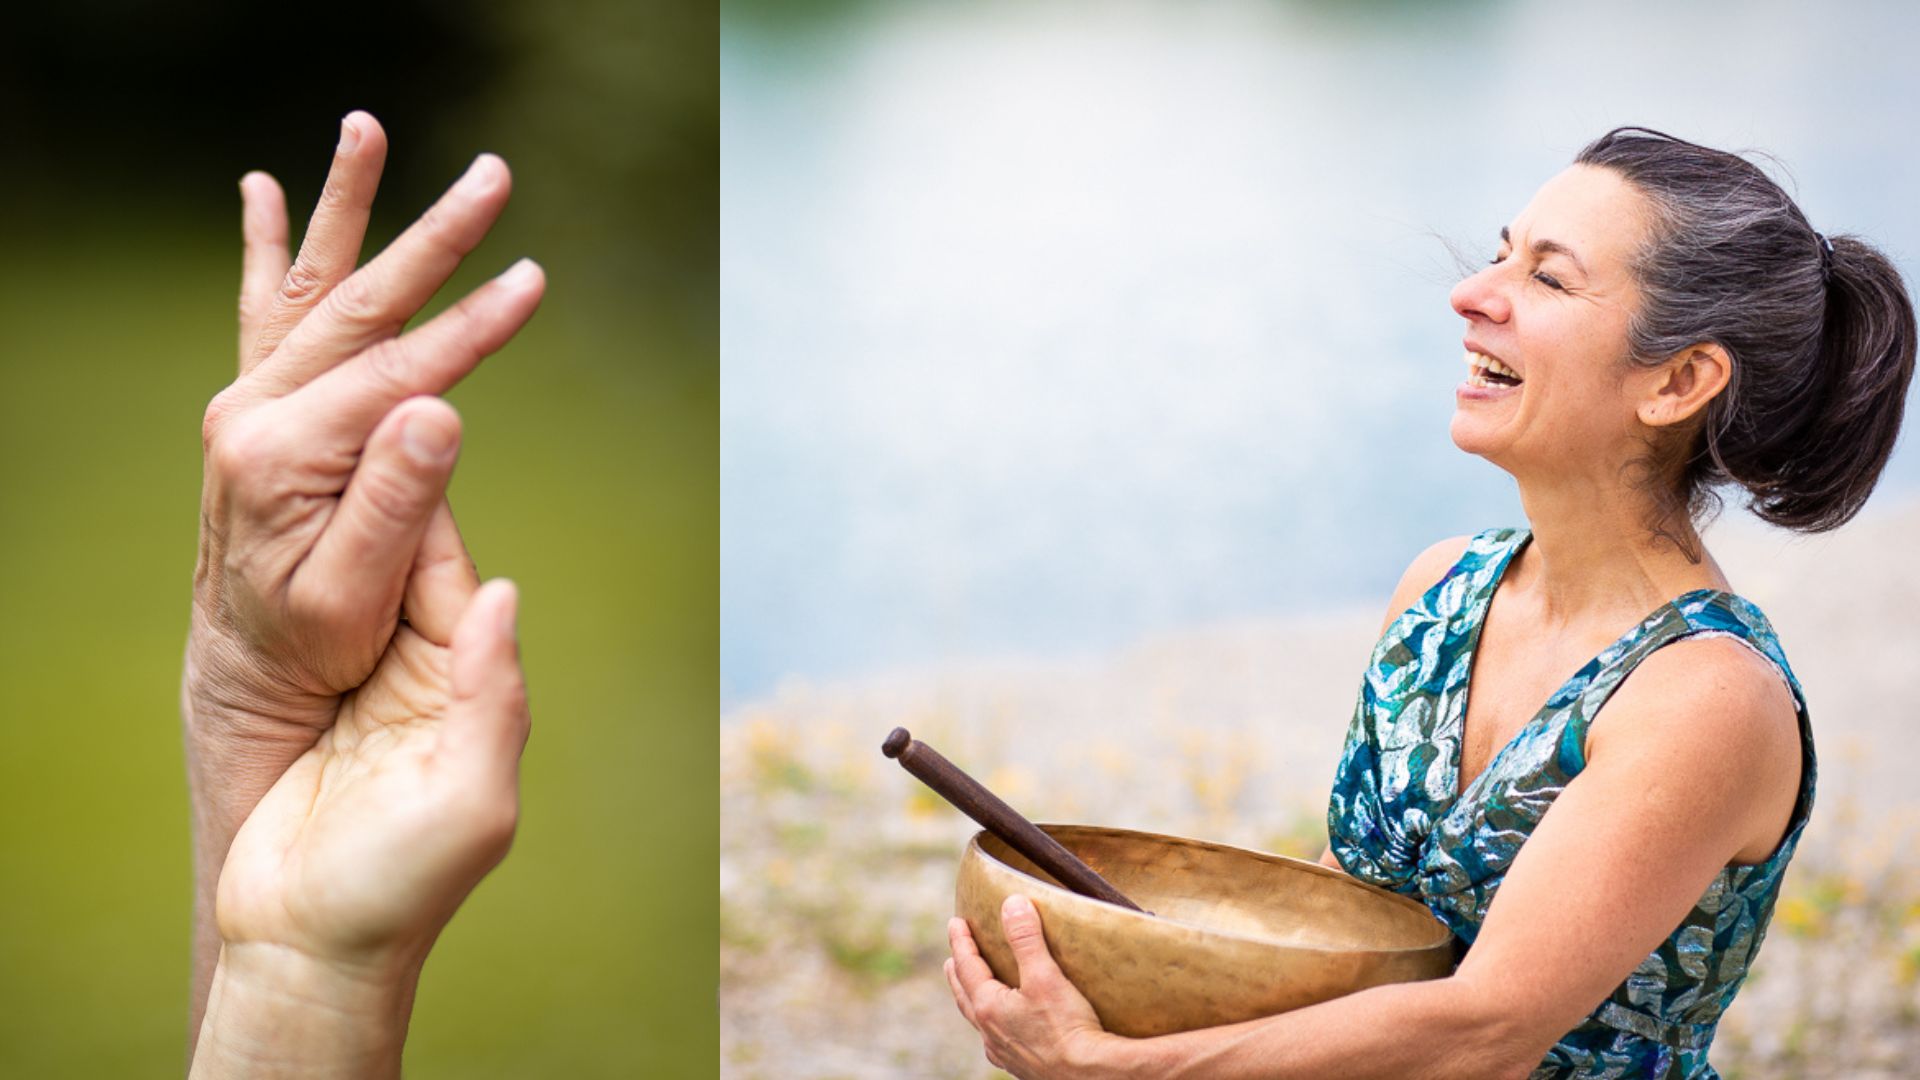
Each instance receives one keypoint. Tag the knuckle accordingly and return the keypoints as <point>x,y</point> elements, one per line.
<point>333,196</point>
<point>389,363</point>
<point>339,613</point>
<point>224,406</point>
<point>436,225</point>
<point>302,285</point>
<point>236,446</point>
<point>444,227</point>
<point>391,494</point>
<point>357,301</point>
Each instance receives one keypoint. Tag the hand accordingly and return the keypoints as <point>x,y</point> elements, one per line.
<point>1045,1029</point>
<point>323,513</point>
<point>345,873</point>
<point>359,855</point>
<point>318,491</point>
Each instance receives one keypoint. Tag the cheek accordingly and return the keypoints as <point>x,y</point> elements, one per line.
<point>1588,410</point>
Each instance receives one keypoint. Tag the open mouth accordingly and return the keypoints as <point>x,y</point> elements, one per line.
<point>1484,370</point>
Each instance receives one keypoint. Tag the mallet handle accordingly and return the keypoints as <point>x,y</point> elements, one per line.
<point>974,800</point>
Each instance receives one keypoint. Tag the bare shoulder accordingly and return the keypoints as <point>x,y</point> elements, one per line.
<point>1711,705</point>
<point>1422,573</point>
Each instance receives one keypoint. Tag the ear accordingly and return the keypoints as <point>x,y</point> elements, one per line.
<point>1683,385</point>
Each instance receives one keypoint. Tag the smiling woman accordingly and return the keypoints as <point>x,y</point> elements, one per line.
<point>1661,322</point>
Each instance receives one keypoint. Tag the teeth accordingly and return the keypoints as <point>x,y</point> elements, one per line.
<point>1482,362</point>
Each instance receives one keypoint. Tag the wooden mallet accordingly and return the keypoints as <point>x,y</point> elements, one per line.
<point>972,798</point>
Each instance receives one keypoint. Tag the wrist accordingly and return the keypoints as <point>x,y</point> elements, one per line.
<point>1102,1055</point>
<point>232,686</point>
<point>274,1011</point>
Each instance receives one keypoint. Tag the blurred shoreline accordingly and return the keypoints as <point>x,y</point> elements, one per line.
<point>836,866</point>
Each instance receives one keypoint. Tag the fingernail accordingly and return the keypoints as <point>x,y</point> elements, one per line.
<point>349,135</point>
<point>1016,905</point>
<point>426,442</point>
<point>479,176</point>
<point>520,274</point>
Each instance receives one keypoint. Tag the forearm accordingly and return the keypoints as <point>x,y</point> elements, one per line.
<point>1437,1028</point>
<point>273,1012</point>
<point>233,757</point>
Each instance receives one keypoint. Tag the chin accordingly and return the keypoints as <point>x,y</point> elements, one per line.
<point>1478,438</point>
<point>1469,434</point>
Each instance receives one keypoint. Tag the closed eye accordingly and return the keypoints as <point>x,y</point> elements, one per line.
<point>1549,281</point>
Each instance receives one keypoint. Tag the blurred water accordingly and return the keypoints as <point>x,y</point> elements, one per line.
<point>1046,325</point>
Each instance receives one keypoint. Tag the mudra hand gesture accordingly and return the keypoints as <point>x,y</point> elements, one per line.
<point>345,672</point>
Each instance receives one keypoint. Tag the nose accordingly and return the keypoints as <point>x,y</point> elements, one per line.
<point>1483,296</point>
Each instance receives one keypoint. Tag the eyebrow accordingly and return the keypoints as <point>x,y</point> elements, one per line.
<point>1547,247</point>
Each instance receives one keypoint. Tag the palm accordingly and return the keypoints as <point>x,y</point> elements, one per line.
<point>379,830</point>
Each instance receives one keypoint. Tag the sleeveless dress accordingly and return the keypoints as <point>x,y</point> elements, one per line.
<point>1394,820</point>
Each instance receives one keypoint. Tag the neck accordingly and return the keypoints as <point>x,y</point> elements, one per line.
<point>1594,553</point>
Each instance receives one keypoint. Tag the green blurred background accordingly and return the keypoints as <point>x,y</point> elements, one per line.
<point>589,476</point>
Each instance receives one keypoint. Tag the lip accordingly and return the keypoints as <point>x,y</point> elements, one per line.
<point>1474,346</point>
<point>1467,391</point>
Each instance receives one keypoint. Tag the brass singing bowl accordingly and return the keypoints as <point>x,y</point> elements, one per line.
<point>1234,935</point>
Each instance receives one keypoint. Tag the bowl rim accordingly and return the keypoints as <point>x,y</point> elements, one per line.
<point>1446,941</point>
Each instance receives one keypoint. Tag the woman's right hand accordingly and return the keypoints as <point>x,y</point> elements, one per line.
<point>326,465</point>
<point>318,491</point>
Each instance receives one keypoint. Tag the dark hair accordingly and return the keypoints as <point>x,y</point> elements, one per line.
<point>1821,338</point>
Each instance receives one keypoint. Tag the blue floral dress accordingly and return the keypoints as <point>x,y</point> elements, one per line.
<point>1395,822</point>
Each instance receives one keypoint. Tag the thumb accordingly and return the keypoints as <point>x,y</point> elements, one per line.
<point>1021,923</point>
<point>487,721</point>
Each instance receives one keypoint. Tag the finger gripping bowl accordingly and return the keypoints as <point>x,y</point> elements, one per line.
<point>1235,934</point>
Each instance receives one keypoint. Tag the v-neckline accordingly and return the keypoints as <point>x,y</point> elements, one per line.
<point>1471,654</point>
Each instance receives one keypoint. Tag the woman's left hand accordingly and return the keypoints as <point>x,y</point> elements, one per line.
<point>1044,1029</point>
<point>362,851</point>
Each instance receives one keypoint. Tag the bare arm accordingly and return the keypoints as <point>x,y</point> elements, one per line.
<point>1667,799</point>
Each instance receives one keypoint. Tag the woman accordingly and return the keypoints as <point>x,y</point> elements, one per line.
<point>1660,321</point>
<point>353,702</point>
